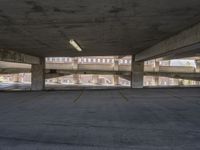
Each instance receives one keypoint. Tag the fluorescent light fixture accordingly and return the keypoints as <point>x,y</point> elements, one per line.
<point>75,45</point>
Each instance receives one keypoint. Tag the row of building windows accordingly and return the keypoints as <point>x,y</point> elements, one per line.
<point>86,60</point>
<point>89,60</point>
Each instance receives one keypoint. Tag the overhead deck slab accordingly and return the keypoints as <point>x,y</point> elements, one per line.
<point>44,28</point>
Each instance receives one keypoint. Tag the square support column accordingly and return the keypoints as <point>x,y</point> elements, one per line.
<point>76,78</point>
<point>137,73</point>
<point>156,69</point>
<point>116,64</point>
<point>16,78</point>
<point>75,63</point>
<point>157,66</point>
<point>38,76</point>
<point>197,65</point>
<point>115,80</point>
<point>95,79</point>
<point>197,69</point>
<point>156,80</point>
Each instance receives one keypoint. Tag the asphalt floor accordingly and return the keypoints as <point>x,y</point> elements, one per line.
<point>132,119</point>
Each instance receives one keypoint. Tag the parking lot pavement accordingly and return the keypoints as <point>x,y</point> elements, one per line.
<point>141,119</point>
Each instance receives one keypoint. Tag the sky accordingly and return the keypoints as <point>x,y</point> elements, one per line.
<point>180,62</point>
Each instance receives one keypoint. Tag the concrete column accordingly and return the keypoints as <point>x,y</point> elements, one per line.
<point>95,79</point>
<point>115,79</point>
<point>75,63</point>
<point>156,79</point>
<point>197,65</point>
<point>76,78</point>
<point>180,82</point>
<point>116,68</point>
<point>116,64</point>
<point>38,76</point>
<point>58,80</point>
<point>16,78</point>
<point>137,73</point>
<point>197,69</point>
<point>157,66</point>
<point>156,69</point>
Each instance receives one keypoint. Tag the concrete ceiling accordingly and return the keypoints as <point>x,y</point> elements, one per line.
<point>101,27</point>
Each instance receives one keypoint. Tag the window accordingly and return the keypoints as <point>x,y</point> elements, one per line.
<point>84,60</point>
<point>79,60</point>
<point>108,60</point>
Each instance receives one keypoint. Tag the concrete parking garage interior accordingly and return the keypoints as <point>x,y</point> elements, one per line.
<point>134,117</point>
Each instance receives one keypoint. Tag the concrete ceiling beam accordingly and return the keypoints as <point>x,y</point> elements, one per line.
<point>17,57</point>
<point>185,41</point>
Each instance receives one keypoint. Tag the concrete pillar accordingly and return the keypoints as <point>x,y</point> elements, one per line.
<point>197,65</point>
<point>16,78</point>
<point>180,82</point>
<point>156,69</point>
<point>116,64</point>
<point>76,78</point>
<point>116,68</point>
<point>157,66</point>
<point>38,76</point>
<point>197,69</point>
<point>75,63</point>
<point>156,79</point>
<point>58,80</point>
<point>95,78</point>
<point>137,73</point>
<point>115,79</point>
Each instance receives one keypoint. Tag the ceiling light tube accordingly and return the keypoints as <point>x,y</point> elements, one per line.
<point>75,45</point>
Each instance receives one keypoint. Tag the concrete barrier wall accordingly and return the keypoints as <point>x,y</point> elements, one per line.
<point>59,66</point>
<point>177,69</point>
<point>100,67</point>
<point>148,68</point>
<point>124,67</point>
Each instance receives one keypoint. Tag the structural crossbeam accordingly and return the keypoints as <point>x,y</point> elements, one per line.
<point>187,40</point>
<point>13,56</point>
